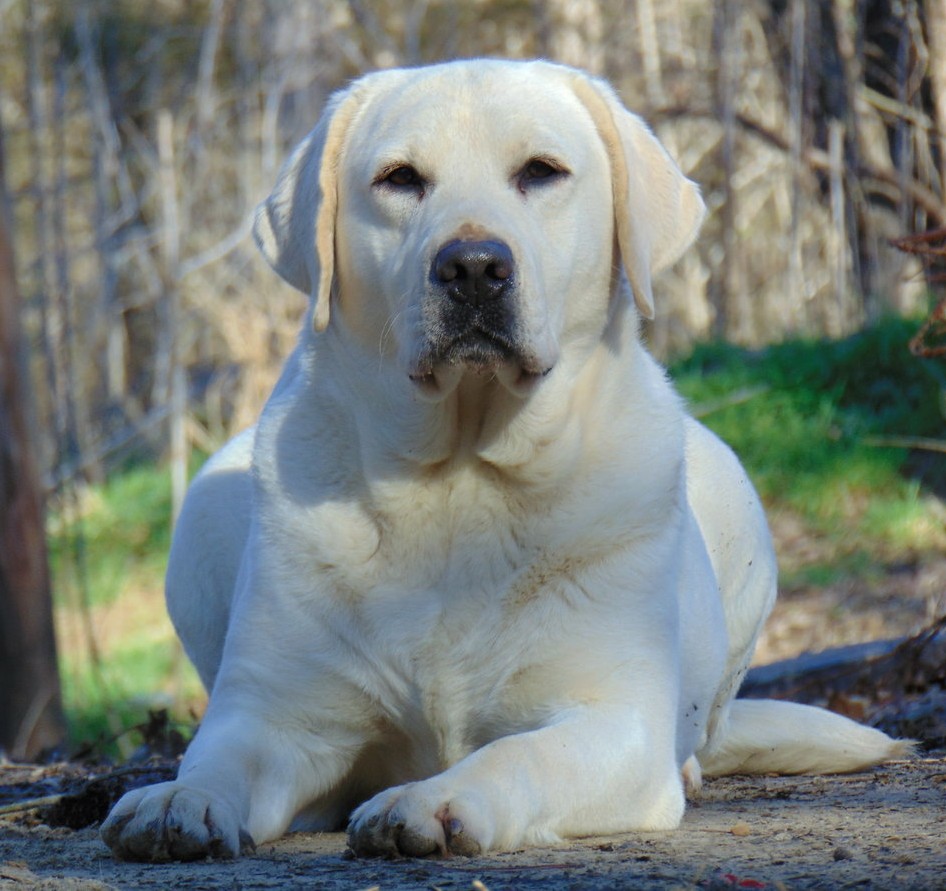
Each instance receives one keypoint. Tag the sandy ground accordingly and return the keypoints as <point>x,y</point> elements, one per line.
<point>881,829</point>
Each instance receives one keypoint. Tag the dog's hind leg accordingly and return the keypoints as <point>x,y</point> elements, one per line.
<point>207,552</point>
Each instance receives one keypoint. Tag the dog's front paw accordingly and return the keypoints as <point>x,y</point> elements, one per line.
<point>169,821</point>
<point>415,821</point>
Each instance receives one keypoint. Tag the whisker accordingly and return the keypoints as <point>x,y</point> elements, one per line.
<point>386,331</point>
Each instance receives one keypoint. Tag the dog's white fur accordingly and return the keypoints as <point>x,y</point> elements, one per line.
<point>490,603</point>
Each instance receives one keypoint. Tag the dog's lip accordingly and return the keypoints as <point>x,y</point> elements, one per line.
<point>475,348</point>
<point>438,367</point>
<point>478,335</point>
<point>426,376</point>
<point>529,376</point>
<point>526,381</point>
<point>435,379</point>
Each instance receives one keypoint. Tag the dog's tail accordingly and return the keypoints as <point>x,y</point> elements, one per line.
<point>770,736</point>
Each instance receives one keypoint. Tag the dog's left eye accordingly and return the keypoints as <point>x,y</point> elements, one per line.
<point>401,177</point>
<point>538,171</point>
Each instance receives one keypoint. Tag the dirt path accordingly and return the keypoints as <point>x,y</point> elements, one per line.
<point>881,829</point>
<point>885,829</point>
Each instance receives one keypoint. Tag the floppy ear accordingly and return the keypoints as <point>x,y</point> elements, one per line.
<point>657,210</point>
<point>295,227</point>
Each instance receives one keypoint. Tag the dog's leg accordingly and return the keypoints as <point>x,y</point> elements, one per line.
<point>282,730</point>
<point>243,779</point>
<point>597,769</point>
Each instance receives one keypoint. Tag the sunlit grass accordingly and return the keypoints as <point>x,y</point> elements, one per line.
<point>134,678</point>
<point>112,537</point>
<point>811,430</point>
<point>119,657</point>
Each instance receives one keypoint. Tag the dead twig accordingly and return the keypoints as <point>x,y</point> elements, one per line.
<point>32,804</point>
<point>905,442</point>
<point>934,327</point>
<point>736,398</point>
<point>76,789</point>
<point>930,247</point>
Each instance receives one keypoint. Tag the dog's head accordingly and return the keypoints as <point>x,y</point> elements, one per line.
<point>465,218</point>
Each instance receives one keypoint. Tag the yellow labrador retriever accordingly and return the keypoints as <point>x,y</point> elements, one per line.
<point>475,580</point>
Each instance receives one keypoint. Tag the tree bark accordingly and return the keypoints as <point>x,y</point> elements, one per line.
<point>31,717</point>
<point>936,29</point>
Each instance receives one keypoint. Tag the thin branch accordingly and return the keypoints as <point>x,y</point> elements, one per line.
<point>67,472</point>
<point>204,95</point>
<point>172,241</point>
<point>736,398</point>
<point>31,804</point>
<point>819,159</point>
<point>216,251</point>
<point>922,443</point>
<point>896,109</point>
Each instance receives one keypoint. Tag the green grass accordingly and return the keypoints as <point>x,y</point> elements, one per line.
<point>812,430</point>
<point>113,534</point>
<point>118,656</point>
<point>803,423</point>
<point>105,703</point>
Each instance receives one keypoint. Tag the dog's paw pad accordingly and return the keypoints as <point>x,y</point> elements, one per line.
<point>458,841</point>
<point>401,823</point>
<point>172,822</point>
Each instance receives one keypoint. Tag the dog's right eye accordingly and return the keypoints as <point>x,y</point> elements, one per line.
<point>401,177</point>
<point>539,172</point>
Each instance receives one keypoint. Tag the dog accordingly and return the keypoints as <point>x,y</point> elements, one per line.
<point>475,580</point>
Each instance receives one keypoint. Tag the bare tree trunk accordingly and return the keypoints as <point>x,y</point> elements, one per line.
<point>31,717</point>
<point>903,155</point>
<point>857,220</point>
<point>650,52</point>
<point>78,389</point>
<point>843,313</point>
<point>172,242</point>
<point>578,33</point>
<point>936,31</point>
<point>37,117</point>
<point>542,28</point>
<point>205,98</point>
<point>413,25</point>
<point>732,315</point>
<point>797,289</point>
<point>111,180</point>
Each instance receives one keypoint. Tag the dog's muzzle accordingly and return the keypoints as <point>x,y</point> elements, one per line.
<point>472,317</point>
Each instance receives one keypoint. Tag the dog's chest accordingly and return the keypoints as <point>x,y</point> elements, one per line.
<point>443,610</point>
<point>439,671</point>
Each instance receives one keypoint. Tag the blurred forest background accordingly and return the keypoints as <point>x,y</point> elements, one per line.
<point>138,137</point>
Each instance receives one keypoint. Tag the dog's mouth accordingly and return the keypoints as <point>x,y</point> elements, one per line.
<point>481,352</point>
<point>485,339</point>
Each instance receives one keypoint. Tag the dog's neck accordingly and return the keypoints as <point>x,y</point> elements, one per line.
<point>538,439</point>
<point>478,421</point>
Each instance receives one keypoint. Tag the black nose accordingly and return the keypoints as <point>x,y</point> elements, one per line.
<point>474,272</point>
